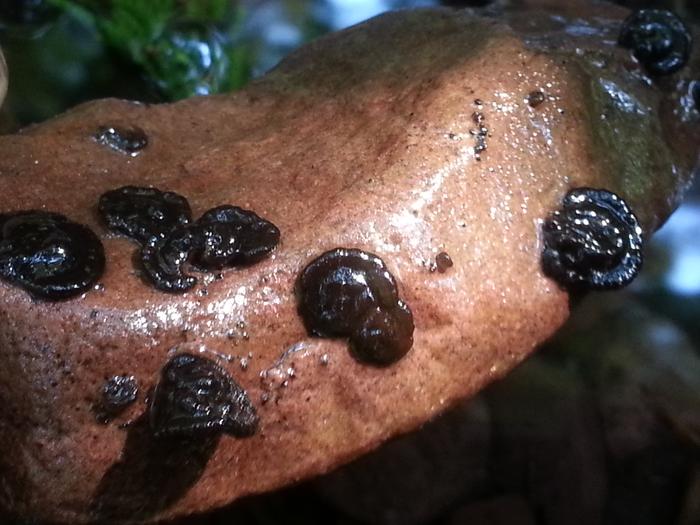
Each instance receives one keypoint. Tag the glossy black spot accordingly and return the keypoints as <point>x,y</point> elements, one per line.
<point>593,242</point>
<point>341,290</point>
<point>143,213</point>
<point>163,260</point>
<point>384,336</point>
<point>48,255</point>
<point>658,39</point>
<point>232,236</point>
<point>195,396</point>
<point>129,141</point>
<point>117,394</point>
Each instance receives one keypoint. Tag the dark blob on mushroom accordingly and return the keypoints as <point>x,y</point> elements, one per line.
<point>48,255</point>
<point>143,213</point>
<point>129,141</point>
<point>231,236</point>
<point>118,393</point>
<point>658,39</point>
<point>163,260</point>
<point>594,242</point>
<point>195,396</point>
<point>224,237</point>
<point>350,293</point>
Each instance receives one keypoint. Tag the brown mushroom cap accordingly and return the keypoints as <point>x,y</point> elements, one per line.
<point>361,139</point>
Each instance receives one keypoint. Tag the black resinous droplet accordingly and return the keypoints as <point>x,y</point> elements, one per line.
<point>127,140</point>
<point>143,213</point>
<point>48,255</point>
<point>195,396</point>
<point>232,236</point>
<point>118,393</point>
<point>658,39</point>
<point>351,293</point>
<point>593,242</point>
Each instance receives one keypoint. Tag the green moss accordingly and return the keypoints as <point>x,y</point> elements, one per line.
<point>629,142</point>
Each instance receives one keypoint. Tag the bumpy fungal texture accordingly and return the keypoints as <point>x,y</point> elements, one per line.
<point>48,255</point>
<point>658,39</point>
<point>129,141</point>
<point>196,396</point>
<point>361,139</point>
<point>351,293</point>
<point>593,242</point>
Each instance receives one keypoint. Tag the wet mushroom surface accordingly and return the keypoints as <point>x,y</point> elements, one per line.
<point>457,149</point>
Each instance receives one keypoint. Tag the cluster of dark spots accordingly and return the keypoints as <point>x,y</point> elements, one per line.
<point>129,141</point>
<point>223,237</point>
<point>351,293</point>
<point>480,134</point>
<point>443,262</point>
<point>48,255</point>
<point>593,242</point>
<point>195,396</point>
<point>658,39</point>
<point>117,393</point>
<point>536,98</point>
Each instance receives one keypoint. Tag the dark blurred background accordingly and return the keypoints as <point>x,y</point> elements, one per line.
<point>600,427</point>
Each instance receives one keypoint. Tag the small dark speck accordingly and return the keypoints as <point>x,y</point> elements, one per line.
<point>443,261</point>
<point>535,98</point>
<point>478,102</point>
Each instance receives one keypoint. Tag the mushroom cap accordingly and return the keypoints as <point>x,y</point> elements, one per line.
<point>369,138</point>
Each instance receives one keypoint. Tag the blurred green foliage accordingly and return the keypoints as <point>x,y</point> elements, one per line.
<point>182,48</point>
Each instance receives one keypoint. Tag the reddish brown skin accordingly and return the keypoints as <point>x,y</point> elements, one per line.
<point>339,146</point>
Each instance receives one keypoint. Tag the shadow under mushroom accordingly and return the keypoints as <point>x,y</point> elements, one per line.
<point>152,474</point>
